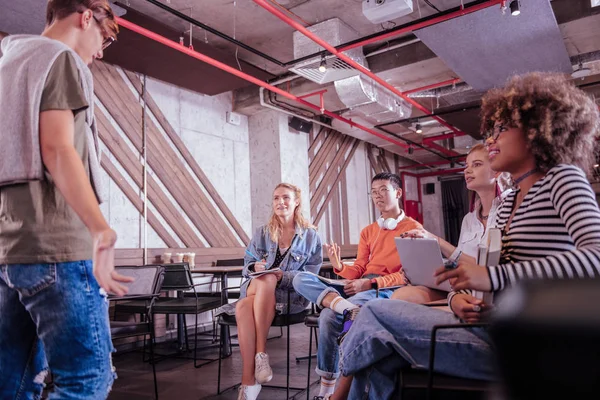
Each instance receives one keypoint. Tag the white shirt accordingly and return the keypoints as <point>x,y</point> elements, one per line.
<point>472,231</point>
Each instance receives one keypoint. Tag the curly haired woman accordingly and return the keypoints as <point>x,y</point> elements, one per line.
<point>543,133</point>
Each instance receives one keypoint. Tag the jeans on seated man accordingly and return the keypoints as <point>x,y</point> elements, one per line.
<point>377,266</point>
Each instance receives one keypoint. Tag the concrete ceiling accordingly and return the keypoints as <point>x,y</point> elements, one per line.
<point>271,36</point>
<point>407,67</point>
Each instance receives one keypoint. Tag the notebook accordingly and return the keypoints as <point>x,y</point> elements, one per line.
<point>488,255</point>
<point>420,258</point>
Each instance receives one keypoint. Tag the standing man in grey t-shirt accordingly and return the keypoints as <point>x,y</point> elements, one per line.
<point>56,248</point>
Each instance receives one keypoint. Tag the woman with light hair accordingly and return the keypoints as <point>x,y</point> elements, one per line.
<point>487,189</point>
<point>543,131</point>
<point>287,245</point>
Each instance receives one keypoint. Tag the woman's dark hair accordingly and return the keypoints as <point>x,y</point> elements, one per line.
<point>388,176</point>
<point>559,121</point>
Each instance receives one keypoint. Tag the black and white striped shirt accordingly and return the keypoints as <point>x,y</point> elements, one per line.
<point>554,234</point>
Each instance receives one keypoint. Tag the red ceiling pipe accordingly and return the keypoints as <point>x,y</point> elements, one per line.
<point>441,149</point>
<point>320,93</point>
<point>273,10</point>
<point>433,86</point>
<point>438,173</point>
<point>270,8</point>
<point>431,164</point>
<point>174,45</point>
<point>312,94</point>
<point>441,137</point>
<point>411,28</point>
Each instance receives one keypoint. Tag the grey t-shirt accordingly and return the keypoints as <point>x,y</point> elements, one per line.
<point>36,223</point>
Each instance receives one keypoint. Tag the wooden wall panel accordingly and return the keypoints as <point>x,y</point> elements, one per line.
<point>164,123</point>
<point>209,216</point>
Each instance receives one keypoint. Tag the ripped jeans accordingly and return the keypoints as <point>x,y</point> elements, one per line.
<point>54,316</point>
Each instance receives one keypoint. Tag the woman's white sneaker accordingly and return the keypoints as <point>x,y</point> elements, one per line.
<point>249,392</point>
<point>262,370</point>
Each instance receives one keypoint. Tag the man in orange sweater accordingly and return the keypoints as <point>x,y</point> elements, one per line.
<point>376,268</point>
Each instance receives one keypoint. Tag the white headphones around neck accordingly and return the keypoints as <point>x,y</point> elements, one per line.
<point>391,223</point>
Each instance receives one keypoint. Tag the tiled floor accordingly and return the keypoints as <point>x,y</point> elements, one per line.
<point>179,380</point>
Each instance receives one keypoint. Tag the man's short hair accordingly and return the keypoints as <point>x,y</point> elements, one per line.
<point>60,9</point>
<point>388,176</point>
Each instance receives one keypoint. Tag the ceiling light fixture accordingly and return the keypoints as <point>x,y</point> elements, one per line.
<point>323,65</point>
<point>581,72</point>
<point>515,8</point>
<point>418,128</point>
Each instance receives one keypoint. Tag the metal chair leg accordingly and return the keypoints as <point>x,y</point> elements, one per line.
<point>152,360</point>
<point>220,358</point>
<point>309,363</point>
<point>287,386</point>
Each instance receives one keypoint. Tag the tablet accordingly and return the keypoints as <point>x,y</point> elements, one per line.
<point>420,258</point>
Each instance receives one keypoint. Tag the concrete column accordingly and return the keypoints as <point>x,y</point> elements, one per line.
<point>276,155</point>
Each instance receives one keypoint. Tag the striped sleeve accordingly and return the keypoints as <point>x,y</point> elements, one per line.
<point>574,201</point>
<point>454,293</point>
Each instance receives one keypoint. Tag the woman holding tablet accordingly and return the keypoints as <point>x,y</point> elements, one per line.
<point>288,244</point>
<point>543,131</point>
<point>487,189</point>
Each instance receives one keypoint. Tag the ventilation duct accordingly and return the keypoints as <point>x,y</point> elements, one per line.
<point>334,32</point>
<point>360,94</point>
<point>378,105</point>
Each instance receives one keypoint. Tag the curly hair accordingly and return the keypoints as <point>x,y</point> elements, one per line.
<point>560,122</point>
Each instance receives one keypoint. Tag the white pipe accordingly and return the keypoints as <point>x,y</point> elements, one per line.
<point>272,107</point>
<point>395,46</point>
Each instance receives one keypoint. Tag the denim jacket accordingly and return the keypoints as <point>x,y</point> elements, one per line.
<point>305,254</point>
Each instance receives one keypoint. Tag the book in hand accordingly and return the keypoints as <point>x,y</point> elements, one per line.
<point>265,272</point>
<point>334,282</point>
<point>488,255</point>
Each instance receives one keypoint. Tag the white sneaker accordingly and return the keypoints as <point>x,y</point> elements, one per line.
<point>247,392</point>
<point>262,370</point>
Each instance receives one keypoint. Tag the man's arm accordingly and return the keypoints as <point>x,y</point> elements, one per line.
<point>66,168</point>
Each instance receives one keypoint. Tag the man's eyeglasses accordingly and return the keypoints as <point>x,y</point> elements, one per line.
<point>107,41</point>
<point>494,134</point>
<point>382,192</point>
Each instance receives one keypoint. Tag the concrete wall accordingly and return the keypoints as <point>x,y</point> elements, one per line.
<point>358,182</point>
<point>220,149</point>
<point>277,154</point>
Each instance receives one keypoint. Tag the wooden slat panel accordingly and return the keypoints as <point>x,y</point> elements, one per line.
<point>315,141</point>
<point>328,160</point>
<point>182,186</point>
<point>384,163</point>
<point>133,135</point>
<point>331,174</point>
<point>349,250</point>
<point>372,160</point>
<point>132,166</point>
<point>189,158</point>
<point>316,167</point>
<point>345,216</point>
<point>162,159</point>
<point>337,178</point>
<point>336,214</point>
<point>116,176</point>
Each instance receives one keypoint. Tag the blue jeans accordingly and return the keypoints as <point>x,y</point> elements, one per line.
<point>330,322</point>
<point>389,335</point>
<point>56,316</point>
